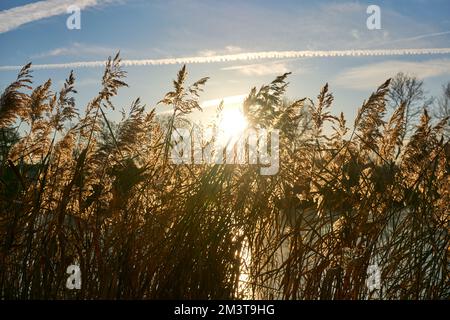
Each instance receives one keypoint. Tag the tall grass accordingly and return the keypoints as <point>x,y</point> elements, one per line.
<point>81,189</point>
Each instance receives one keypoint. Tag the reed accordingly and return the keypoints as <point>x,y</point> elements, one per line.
<point>80,188</point>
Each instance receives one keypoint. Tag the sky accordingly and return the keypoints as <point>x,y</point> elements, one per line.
<point>156,37</point>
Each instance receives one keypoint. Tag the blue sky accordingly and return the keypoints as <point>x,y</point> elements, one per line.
<point>174,28</point>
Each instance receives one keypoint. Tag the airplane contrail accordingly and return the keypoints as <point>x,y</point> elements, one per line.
<point>15,17</point>
<point>243,57</point>
<point>419,37</point>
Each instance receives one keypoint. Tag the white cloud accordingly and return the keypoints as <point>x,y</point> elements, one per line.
<point>355,34</point>
<point>15,17</point>
<point>230,100</point>
<point>226,50</point>
<point>207,53</point>
<point>345,7</point>
<point>78,49</point>
<point>260,69</point>
<point>372,75</point>
<point>233,49</point>
<point>244,56</point>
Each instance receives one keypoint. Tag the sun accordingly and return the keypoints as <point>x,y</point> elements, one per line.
<point>232,125</point>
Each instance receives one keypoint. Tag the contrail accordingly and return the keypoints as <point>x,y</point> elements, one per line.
<point>15,17</point>
<point>242,57</point>
<point>422,36</point>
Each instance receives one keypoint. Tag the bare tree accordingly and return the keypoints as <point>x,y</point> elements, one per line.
<point>409,90</point>
<point>443,105</point>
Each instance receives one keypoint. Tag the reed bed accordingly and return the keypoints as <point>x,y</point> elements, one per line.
<point>81,189</point>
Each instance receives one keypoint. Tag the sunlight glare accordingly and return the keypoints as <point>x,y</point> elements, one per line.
<point>232,125</point>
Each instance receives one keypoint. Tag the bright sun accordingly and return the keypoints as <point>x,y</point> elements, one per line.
<point>232,124</point>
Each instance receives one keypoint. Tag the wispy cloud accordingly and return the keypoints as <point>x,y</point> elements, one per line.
<point>369,76</point>
<point>226,50</point>
<point>230,100</point>
<point>345,7</point>
<point>243,57</point>
<point>260,69</point>
<point>15,17</point>
<point>418,37</point>
<point>78,49</point>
